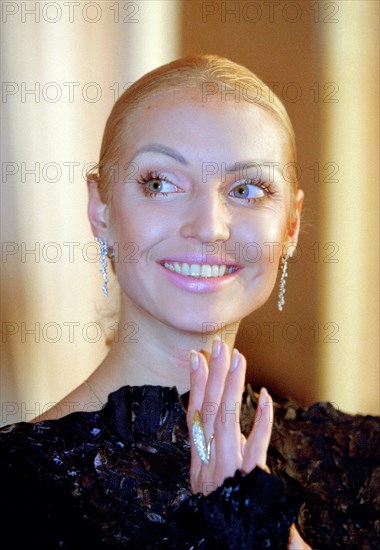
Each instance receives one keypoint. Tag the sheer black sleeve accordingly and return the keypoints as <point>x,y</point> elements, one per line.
<point>119,478</point>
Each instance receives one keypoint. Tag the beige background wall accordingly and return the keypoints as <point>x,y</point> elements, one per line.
<point>281,347</point>
<point>54,316</point>
<point>321,59</point>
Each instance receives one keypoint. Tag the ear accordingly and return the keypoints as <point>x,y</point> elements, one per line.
<point>97,211</point>
<point>294,226</point>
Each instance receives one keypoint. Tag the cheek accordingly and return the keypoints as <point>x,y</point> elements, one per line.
<point>139,227</point>
<point>262,238</point>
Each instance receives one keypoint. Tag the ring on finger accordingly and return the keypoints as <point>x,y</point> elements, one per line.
<point>199,438</point>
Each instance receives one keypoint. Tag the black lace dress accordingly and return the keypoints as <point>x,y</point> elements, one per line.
<point>119,478</point>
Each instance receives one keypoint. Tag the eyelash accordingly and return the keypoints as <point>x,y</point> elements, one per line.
<point>257,183</point>
<point>144,179</point>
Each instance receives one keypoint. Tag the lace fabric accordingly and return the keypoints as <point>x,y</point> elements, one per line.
<point>119,478</point>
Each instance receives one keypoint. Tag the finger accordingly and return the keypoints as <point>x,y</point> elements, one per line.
<point>227,424</point>
<point>219,364</point>
<point>255,453</point>
<point>228,417</point>
<point>198,378</point>
<point>296,542</point>
<point>243,441</point>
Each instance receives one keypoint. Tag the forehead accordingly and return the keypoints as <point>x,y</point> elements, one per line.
<point>183,119</point>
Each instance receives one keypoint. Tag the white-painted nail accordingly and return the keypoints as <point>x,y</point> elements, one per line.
<point>263,396</point>
<point>216,346</point>
<point>234,360</point>
<point>194,360</point>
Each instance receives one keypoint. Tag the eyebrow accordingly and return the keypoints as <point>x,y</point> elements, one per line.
<point>163,149</point>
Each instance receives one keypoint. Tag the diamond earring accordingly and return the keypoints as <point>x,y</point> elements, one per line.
<point>104,254</point>
<point>284,274</point>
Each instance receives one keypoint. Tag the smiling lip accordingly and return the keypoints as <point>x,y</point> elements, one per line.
<point>199,276</point>
<point>210,259</point>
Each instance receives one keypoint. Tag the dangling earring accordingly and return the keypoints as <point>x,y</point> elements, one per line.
<point>104,253</point>
<point>284,274</point>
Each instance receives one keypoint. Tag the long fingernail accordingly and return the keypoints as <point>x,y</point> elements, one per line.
<point>263,396</point>
<point>194,360</point>
<point>235,359</point>
<point>216,346</point>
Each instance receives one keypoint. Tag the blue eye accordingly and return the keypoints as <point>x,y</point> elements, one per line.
<point>156,185</point>
<point>160,185</point>
<point>248,191</point>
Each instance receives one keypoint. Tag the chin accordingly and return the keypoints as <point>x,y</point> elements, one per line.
<point>204,321</point>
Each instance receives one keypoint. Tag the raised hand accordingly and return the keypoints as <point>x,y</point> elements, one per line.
<point>214,407</point>
<point>216,392</point>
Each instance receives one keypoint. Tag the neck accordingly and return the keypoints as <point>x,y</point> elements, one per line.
<point>148,351</point>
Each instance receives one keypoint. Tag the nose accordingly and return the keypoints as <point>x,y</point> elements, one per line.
<point>207,219</point>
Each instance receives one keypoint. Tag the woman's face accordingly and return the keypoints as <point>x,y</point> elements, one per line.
<point>200,210</point>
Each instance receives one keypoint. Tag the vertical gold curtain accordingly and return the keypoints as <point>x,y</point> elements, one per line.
<point>64,64</point>
<point>349,367</point>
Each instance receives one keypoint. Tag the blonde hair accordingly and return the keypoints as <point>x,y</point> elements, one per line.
<point>208,72</point>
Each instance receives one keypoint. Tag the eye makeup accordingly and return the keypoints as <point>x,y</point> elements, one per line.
<point>155,184</point>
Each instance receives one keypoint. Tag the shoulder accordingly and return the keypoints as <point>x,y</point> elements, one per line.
<point>82,399</point>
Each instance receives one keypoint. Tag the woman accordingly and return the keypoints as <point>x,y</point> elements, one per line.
<point>193,177</point>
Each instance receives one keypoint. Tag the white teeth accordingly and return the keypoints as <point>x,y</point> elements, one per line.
<point>199,270</point>
<point>206,270</point>
<point>215,271</point>
<point>222,270</point>
<point>185,269</point>
<point>177,267</point>
<point>195,270</point>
